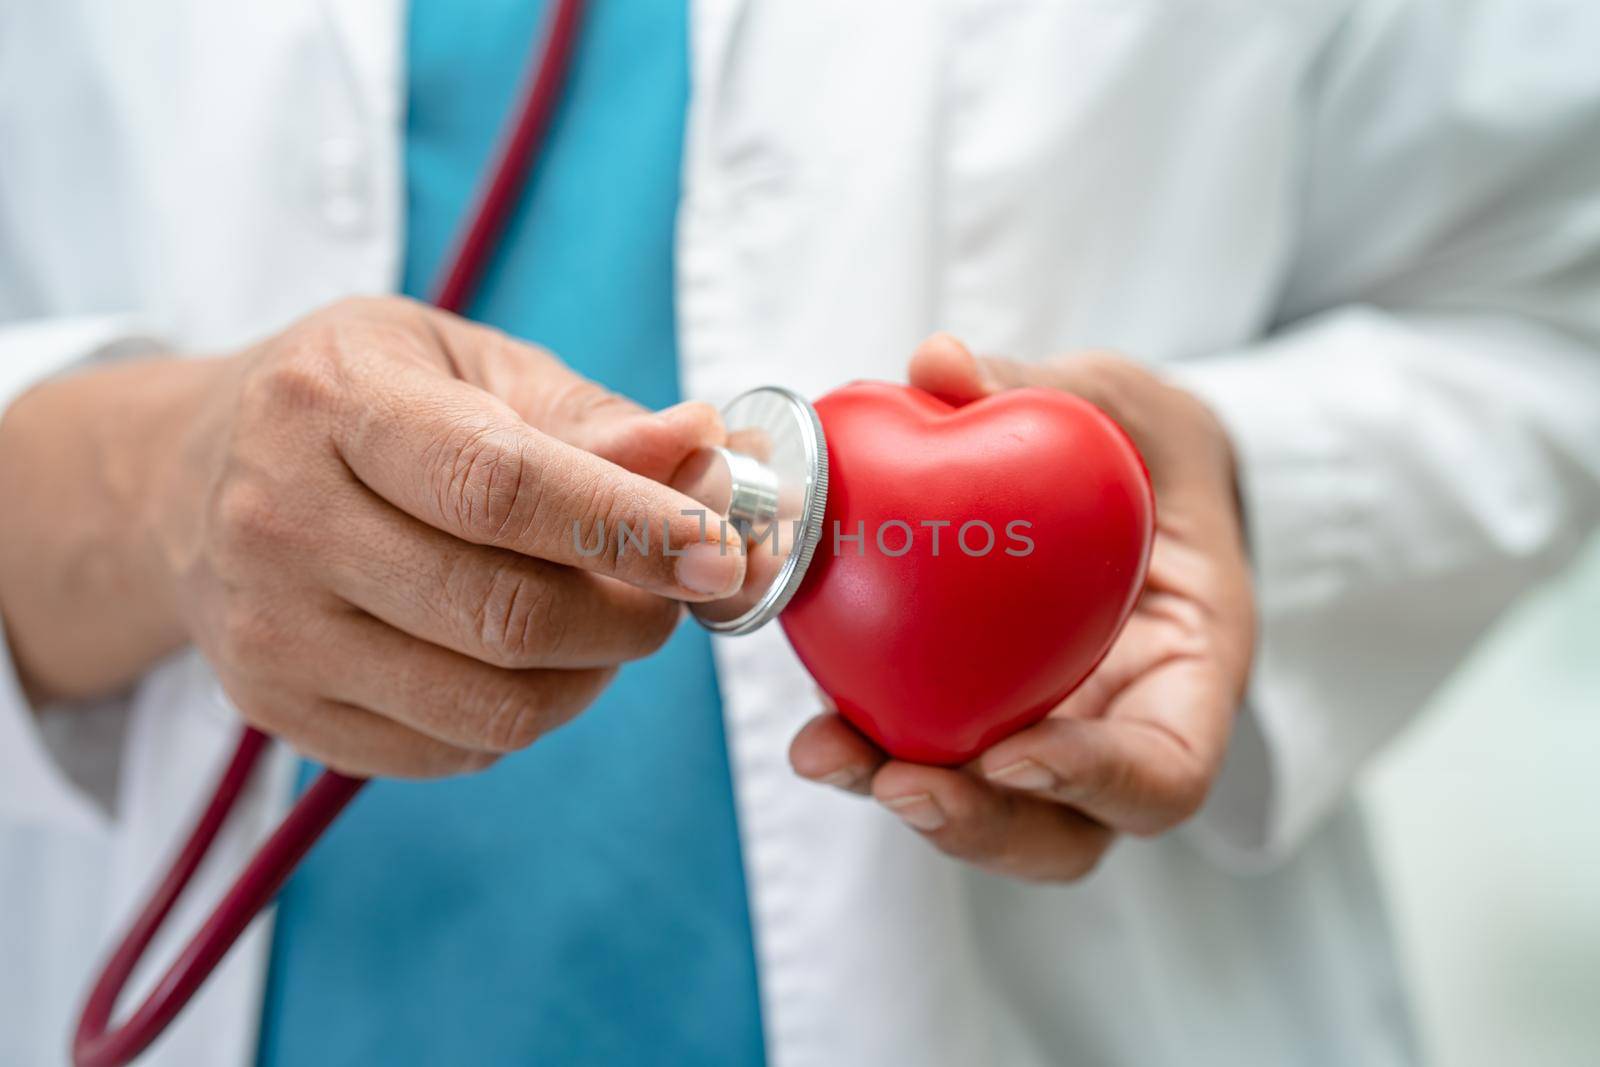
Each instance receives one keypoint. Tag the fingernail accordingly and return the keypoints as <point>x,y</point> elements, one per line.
<point>711,568</point>
<point>1023,774</point>
<point>843,778</point>
<point>918,811</point>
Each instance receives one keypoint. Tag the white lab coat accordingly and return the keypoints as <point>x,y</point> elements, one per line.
<point>1365,231</point>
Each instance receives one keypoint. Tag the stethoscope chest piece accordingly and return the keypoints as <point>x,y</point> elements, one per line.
<point>770,483</point>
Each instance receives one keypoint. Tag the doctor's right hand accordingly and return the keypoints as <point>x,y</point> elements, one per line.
<point>383,528</point>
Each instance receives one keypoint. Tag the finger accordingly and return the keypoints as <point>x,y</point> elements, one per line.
<point>446,695</point>
<point>830,751</point>
<point>1000,831</point>
<point>656,444</point>
<point>557,400</point>
<point>649,443</point>
<point>1136,772</point>
<point>945,367</point>
<point>492,604</point>
<point>358,742</point>
<point>462,461</point>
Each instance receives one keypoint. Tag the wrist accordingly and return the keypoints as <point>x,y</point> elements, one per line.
<point>87,463</point>
<point>161,489</point>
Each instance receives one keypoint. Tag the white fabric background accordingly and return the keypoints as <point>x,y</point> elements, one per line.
<point>1484,818</point>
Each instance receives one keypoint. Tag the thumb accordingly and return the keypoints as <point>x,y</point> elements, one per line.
<point>944,366</point>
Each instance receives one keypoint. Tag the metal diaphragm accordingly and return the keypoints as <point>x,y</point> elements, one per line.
<point>770,483</point>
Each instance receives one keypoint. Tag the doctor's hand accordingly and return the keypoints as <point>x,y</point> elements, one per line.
<point>383,528</point>
<point>1135,748</point>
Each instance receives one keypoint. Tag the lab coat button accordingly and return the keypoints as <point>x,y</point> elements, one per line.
<point>345,187</point>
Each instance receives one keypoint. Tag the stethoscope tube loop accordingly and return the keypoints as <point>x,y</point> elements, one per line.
<point>97,1046</point>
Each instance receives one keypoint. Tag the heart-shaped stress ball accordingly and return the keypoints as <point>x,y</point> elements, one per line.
<point>975,563</point>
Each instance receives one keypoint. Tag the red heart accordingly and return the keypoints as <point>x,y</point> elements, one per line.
<point>937,652</point>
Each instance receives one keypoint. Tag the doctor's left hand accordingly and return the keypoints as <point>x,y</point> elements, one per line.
<point>1135,748</point>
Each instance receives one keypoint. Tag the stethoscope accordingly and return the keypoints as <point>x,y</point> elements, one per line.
<point>770,482</point>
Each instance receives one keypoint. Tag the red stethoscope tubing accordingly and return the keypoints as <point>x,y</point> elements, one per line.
<point>97,1043</point>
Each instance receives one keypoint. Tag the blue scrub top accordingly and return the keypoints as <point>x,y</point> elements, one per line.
<point>582,902</point>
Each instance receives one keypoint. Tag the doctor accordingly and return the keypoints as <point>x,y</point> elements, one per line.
<point>1359,240</point>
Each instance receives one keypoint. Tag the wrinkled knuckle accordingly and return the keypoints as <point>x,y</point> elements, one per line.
<point>518,619</point>
<point>601,510</point>
<point>513,722</point>
<point>491,489</point>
